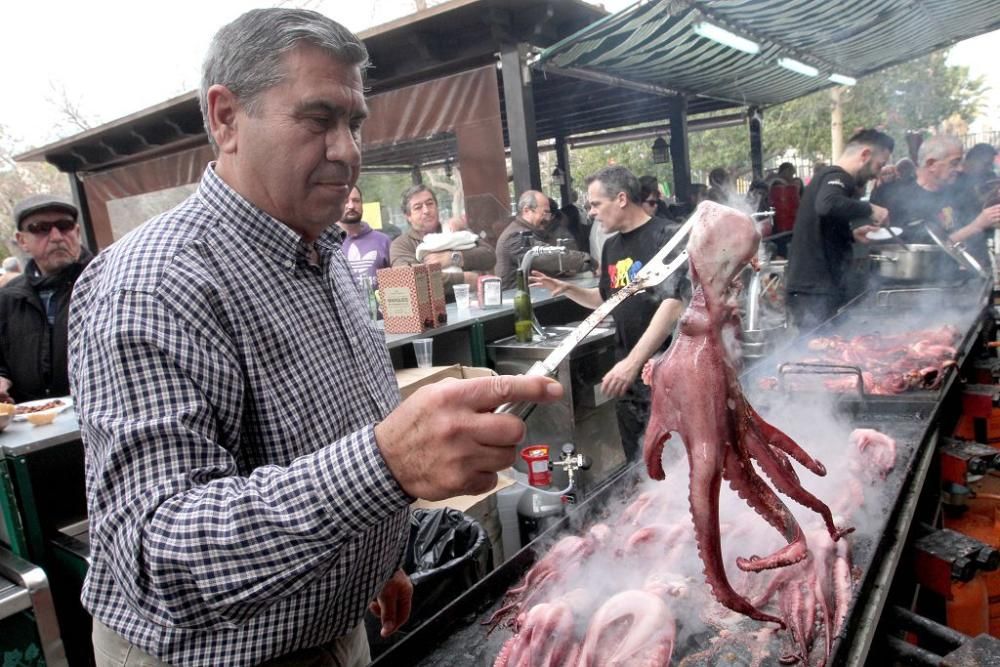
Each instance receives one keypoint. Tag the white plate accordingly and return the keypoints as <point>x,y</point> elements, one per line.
<point>67,403</point>
<point>882,234</point>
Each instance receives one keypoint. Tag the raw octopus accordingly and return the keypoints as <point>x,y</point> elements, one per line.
<point>696,393</point>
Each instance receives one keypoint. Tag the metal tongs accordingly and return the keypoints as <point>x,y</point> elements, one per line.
<point>656,271</point>
<point>956,251</point>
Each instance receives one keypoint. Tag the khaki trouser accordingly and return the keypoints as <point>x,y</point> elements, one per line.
<point>351,650</point>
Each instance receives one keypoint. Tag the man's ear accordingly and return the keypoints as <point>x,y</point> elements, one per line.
<point>222,117</point>
<point>19,237</point>
<point>622,200</point>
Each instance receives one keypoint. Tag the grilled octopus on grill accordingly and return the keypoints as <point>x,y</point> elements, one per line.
<point>696,393</point>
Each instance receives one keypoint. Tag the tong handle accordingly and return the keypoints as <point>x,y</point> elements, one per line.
<point>524,408</point>
<point>802,368</point>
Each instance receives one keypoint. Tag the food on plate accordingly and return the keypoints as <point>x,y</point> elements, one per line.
<point>28,408</point>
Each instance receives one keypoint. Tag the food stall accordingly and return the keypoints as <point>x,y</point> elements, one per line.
<point>818,387</point>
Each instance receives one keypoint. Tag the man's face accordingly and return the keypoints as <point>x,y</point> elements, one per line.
<point>540,215</point>
<point>606,210</point>
<point>352,209</point>
<point>942,172</point>
<point>52,248</point>
<point>873,164</point>
<point>423,215</point>
<point>298,156</point>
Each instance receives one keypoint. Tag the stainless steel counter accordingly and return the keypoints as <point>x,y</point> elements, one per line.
<point>21,437</point>
<point>459,320</point>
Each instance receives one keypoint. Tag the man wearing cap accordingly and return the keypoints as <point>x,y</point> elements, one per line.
<point>34,307</point>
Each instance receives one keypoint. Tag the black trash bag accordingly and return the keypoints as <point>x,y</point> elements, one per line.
<point>446,553</point>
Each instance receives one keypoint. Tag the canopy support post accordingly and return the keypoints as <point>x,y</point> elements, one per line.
<point>756,122</point>
<point>680,154</point>
<point>519,103</point>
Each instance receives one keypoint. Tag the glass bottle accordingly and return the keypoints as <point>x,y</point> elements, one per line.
<point>522,310</point>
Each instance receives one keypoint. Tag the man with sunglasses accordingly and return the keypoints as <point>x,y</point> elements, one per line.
<point>34,308</point>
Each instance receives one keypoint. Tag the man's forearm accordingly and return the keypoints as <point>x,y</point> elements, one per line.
<point>660,327</point>
<point>588,297</point>
<point>480,258</point>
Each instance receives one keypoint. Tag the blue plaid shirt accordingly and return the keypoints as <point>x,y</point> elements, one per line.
<point>227,388</point>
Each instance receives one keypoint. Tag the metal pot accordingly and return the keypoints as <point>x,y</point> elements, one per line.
<point>914,262</point>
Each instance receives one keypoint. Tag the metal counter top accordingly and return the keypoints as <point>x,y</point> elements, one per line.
<point>21,437</point>
<point>457,320</point>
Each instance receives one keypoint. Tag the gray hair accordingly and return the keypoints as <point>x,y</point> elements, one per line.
<point>615,179</point>
<point>412,192</point>
<point>11,265</point>
<point>247,55</point>
<point>937,148</point>
<point>528,200</point>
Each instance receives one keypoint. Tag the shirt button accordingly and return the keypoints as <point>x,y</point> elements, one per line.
<point>290,264</point>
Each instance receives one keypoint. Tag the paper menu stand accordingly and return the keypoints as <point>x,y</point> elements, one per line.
<point>406,303</point>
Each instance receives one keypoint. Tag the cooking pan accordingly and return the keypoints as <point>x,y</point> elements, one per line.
<point>912,262</point>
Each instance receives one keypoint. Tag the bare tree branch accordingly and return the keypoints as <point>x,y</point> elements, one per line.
<point>70,110</point>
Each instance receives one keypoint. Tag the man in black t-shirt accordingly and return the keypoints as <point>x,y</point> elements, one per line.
<point>931,197</point>
<point>645,321</point>
<point>822,236</point>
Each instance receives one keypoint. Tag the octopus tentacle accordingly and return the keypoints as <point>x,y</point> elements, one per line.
<point>749,486</point>
<point>705,514</point>
<point>778,469</point>
<point>779,439</point>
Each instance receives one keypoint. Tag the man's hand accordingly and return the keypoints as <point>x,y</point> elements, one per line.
<point>392,606</point>
<point>879,215</point>
<point>861,233</point>
<point>5,386</point>
<point>621,376</point>
<point>554,285</point>
<point>989,217</point>
<point>443,258</point>
<point>445,441</point>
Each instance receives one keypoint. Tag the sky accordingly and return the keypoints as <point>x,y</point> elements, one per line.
<point>111,58</point>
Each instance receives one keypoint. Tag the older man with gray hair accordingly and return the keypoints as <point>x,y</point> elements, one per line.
<point>250,467</point>
<point>930,197</point>
<point>523,232</point>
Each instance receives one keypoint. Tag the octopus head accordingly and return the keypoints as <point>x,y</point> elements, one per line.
<point>723,241</point>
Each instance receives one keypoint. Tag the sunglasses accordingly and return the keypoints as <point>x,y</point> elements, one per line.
<point>43,227</point>
<point>650,202</point>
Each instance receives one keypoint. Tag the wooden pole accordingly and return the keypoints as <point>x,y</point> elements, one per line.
<point>836,123</point>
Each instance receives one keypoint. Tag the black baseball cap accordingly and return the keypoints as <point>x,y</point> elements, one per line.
<point>42,202</point>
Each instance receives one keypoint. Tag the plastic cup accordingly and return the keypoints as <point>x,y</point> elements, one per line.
<point>423,349</point>
<point>461,296</point>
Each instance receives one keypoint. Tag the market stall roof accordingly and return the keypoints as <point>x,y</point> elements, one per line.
<point>661,43</point>
<point>451,37</point>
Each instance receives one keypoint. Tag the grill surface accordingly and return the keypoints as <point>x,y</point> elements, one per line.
<point>457,636</point>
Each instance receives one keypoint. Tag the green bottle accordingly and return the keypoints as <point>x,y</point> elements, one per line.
<point>522,310</point>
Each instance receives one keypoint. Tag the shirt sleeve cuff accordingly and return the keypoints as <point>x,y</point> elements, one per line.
<point>354,479</point>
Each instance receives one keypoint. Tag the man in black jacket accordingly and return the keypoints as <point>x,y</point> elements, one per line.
<point>822,236</point>
<point>34,307</point>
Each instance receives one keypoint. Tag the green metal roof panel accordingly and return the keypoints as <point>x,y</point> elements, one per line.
<point>654,43</point>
